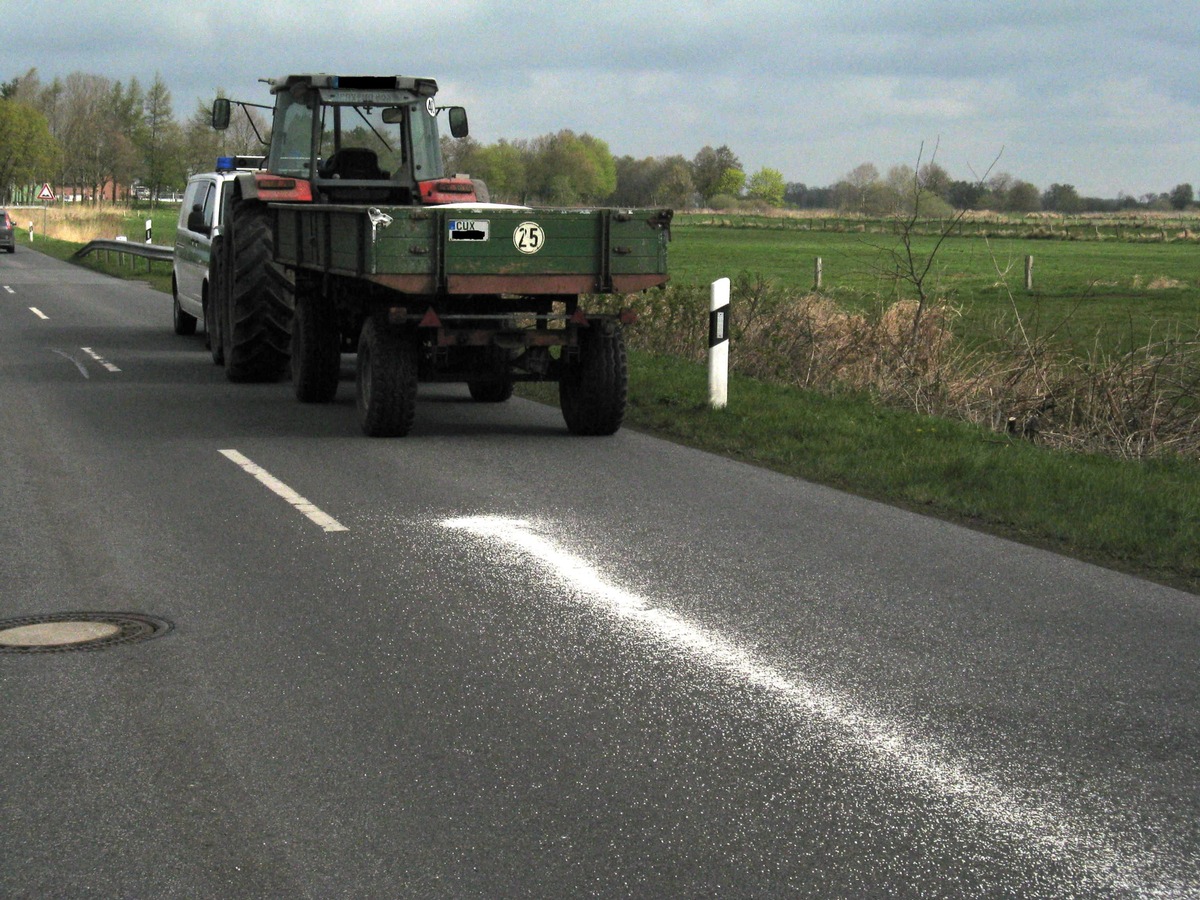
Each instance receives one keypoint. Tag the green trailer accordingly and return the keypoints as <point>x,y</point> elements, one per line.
<point>352,239</point>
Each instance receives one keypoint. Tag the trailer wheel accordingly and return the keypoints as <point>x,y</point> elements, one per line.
<point>316,348</point>
<point>259,321</point>
<point>184,323</point>
<point>593,384</point>
<point>387,380</point>
<point>490,391</point>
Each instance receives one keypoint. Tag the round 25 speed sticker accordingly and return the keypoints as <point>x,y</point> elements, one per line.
<point>528,237</point>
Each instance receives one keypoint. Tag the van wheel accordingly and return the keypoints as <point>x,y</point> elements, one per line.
<point>185,324</point>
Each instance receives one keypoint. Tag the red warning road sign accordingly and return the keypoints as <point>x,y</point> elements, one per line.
<point>46,193</point>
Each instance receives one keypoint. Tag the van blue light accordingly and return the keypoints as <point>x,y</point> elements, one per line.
<point>226,164</point>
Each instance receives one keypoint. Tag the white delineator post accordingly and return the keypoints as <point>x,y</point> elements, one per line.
<point>718,344</point>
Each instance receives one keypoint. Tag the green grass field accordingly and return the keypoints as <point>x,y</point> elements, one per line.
<point>1118,291</point>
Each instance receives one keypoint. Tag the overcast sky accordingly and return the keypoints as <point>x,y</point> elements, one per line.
<point>1103,95</point>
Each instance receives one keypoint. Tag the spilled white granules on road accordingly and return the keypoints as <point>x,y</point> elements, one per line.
<point>1102,859</point>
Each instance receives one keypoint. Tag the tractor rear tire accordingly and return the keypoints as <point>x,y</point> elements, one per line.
<point>316,348</point>
<point>258,327</point>
<point>387,380</point>
<point>593,384</point>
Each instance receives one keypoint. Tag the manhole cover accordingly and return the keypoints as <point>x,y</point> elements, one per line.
<point>77,631</point>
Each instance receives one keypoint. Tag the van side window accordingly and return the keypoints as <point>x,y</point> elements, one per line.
<point>190,198</point>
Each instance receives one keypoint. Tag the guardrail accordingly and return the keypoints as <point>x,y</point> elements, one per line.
<point>152,253</point>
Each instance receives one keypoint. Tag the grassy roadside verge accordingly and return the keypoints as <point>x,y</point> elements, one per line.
<point>157,275</point>
<point>1138,517</point>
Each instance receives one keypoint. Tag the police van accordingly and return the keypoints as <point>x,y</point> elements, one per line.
<point>199,223</point>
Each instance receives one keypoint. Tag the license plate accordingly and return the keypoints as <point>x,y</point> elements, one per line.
<point>469,229</point>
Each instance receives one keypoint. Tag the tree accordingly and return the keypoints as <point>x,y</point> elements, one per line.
<point>935,179</point>
<point>201,142</point>
<point>1182,196</point>
<point>674,186</point>
<point>653,181</point>
<point>635,180</point>
<point>1023,197</point>
<point>901,183</point>
<point>125,105</point>
<point>730,183</point>
<point>967,194</point>
<point>860,179</point>
<point>161,141</point>
<point>28,152</point>
<point>84,136</point>
<point>505,168</point>
<point>766,185</point>
<point>1061,198</point>
<point>709,167</point>
<point>570,168</point>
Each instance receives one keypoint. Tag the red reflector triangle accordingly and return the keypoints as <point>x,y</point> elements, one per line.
<point>579,318</point>
<point>430,319</point>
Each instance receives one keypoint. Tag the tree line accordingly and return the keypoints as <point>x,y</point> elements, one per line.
<point>102,139</point>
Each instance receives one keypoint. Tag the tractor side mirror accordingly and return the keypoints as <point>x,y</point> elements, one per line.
<point>220,113</point>
<point>458,121</point>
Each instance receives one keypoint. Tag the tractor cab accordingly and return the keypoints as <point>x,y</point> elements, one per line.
<point>357,140</point>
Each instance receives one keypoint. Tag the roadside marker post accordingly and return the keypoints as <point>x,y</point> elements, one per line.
<point>718,344</point>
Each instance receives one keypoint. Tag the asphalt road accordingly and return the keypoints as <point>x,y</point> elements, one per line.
<point>494,660</point>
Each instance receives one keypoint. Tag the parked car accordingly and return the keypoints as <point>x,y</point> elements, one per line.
<point>8,232</point>
<point>199,224</point>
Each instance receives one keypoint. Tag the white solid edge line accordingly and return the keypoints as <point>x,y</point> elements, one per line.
<point>37,312</point>
<point>326,521</point>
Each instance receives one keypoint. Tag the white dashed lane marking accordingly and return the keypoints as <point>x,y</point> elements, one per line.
<point>326,521</point>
